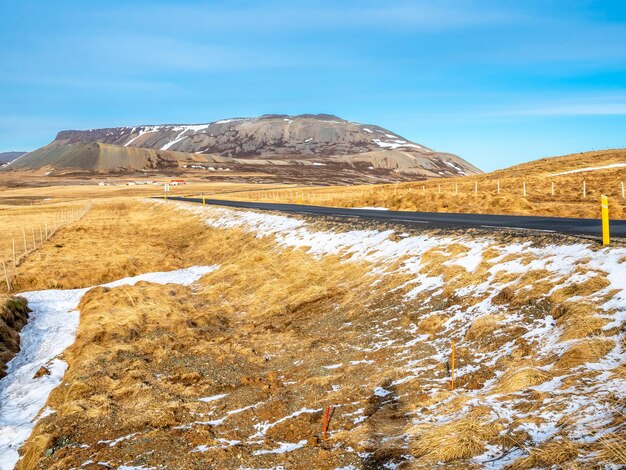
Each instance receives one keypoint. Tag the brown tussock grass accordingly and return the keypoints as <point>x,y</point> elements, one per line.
<point>432,324</point>
<point>459,439</point>
<point>561,453</point>
<point>518,379</point>
<point>582,352</point>
<point>584,289</point>
<point>578,320</point>
<point>612,449</point>
<point>483,326</point>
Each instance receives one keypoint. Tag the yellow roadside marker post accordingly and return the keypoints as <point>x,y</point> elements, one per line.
<point>605,220</point>
<point>203,201</point>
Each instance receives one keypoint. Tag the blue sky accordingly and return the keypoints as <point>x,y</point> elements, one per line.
<point>496,82</point>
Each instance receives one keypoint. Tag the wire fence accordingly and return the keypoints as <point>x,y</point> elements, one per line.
<point>545,188</point>
<point>32,238</point>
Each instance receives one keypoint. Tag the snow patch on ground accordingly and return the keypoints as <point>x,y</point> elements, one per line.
<point>213,398</point>
<point>562,265</point>
<point>50,330</point>
<point>591,168</point>
<point>284,447</point>
<point>395,144</point>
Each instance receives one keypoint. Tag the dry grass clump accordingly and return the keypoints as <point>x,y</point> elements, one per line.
<point>583,289</point>
<point>518,379</point>
<point>612,449</point>
<point>460,439</point>
<point>432,324</point>
<point>482,326</point>
<point>558,452</point>
<point>13,316</point>
<point>578,320</point>
<point>582,352</point>
<point>505,296</point>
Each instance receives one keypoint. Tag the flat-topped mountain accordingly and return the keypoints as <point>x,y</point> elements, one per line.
<point>264,142</point>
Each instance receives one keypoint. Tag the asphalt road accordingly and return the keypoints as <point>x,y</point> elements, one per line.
<point>562,225</point>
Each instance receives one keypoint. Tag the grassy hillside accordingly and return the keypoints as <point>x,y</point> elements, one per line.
<point>238,369</point>
<point>541,187</point>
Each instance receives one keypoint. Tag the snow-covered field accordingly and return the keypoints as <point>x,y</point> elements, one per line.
<point>51,329</point>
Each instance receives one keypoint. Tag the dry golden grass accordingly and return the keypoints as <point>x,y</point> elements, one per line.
<point>482,326</point>
<point>458,194</point>
<point>432,324</point>
<point>584,351</point>
<point>559,453</point>
<point>613,449</point>
<point>585,288</point>
<point>24,189</point>
<point>130,333</point>
<point>19,222</point>
<point>579,320</point>
<point>518,379</point>
<point>267,317</point>
<point>115,239</point>
<point>459,439</point>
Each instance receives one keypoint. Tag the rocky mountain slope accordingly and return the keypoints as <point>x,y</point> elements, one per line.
<point>6,157</point>
<point>268,143</point>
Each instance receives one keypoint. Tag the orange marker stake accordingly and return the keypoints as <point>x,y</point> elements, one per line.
<point>326,421</point>
<point>452,367</point>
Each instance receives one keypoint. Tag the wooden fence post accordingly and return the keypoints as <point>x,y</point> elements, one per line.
<point>6,276</point>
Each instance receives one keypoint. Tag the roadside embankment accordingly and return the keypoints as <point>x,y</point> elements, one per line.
<point>13,316</point>
<point>431,348</point>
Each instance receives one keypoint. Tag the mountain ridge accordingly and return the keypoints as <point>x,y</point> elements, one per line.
<point>263,142</point>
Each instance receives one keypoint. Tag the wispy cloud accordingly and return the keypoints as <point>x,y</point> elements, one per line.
<point>583,106</point>
<point>607,109</point>
<point>277,16</point>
